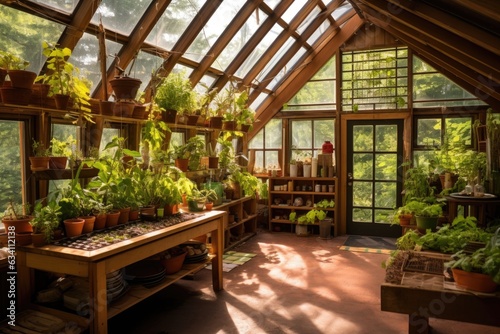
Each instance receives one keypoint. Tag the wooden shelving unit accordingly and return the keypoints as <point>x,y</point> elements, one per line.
<point>285,191</point>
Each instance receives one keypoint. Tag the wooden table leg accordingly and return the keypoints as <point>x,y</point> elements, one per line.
<point>98,298</point>
<point>218,250</point>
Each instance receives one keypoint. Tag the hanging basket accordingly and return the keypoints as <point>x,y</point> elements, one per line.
<point>125,87</point>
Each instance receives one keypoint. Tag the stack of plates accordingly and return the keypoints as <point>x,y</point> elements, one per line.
<point>197,251</point>
<point>148,273</point>
<point>116,285</point>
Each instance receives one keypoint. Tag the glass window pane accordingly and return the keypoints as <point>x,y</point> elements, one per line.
<point>107,136</point>
<point>386,138</point>
<point>324,130</point>
<point>213,29</point>
<point>459,131</point>
<point>295,7</point>
<point>27,41</point>
<point>173,23</point>
<point>383,216</point>
<point>290,66</point>
<point>238,41</point>
<point>385,195</point>
<point>362,194</point>
<point>429,132</point>
<point>117,17</point>
<point>387,166</point>
<point>363,138</point>
<point>274,134</point>
<point>362,215</point>
<point>257,142</point>
<point>301,133</point>
<point>67,6</point>
<point>11,149</point>
<point>259,165</point>
<point>272,159</point>
<point>313,15</point>
<point>363,166</point>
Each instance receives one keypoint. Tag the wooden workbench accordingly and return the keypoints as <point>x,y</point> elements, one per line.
<point>94,265</point>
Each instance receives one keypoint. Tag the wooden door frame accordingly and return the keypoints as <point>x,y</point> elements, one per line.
<point>341,199</point>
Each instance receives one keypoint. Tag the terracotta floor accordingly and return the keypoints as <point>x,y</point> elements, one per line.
<point>293,285</point>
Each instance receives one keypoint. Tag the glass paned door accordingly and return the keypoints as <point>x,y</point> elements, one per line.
<point>374,152</point>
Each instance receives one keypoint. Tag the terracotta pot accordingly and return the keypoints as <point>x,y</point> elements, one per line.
<point>3,74</point>
<point>473,281</point>
<point>182,164</point>
<point>213,162</point>
<point>24,238</point>
<point>405,220</point>
<point>216,122</point>
<point>148,209</point>
<point>139,111</point>
<point>39,163</point>
<point>123,109</point>
<point>73,227</point>
<point>173,264</point>
<point>62,101</point>
<point>170,210</point>
<point>192,119</point>
<point>18,225</point>
<point>169,116</point>
<point>18,96</point>
<point>88,226</point>
<point>107,107</point>
<point>125,87</point>
<point>100,221</point>
<point>229,125</point>
<point>22,78</point>
<point>244,127</point>
<point>209,206</point>
<point>58,162</point>
<point>133,215</point>
<point>112,218</point>
<point>38,239</point>
<point>124,213</point>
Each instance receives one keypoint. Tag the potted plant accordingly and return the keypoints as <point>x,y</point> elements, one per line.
<point>40,158</point>
<point>16,218</point>
<point>124,87</point>
<point>45,221</point>
<point>199,197</point>
<point>175,95</point>
<point>65,81</point>
<point>21,80</point>
<point>61,150</point>
<point>427,215</point>
<point>480,270</point>
<point>189,153</point>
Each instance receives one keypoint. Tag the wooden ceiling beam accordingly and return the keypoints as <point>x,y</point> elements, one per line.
<point>324,50</point>
<point>485,88</point>
<point>81,17</point>
<point>227,35</point>
<point>488,8</point>
<point>454,24</point>
<point>298,44</point>
<point>452,45</point>
<point>252,43</point>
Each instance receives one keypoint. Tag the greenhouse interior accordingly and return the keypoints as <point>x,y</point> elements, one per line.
<point>259,166</point>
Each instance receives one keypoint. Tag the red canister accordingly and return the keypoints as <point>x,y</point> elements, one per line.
<point>327,147</point>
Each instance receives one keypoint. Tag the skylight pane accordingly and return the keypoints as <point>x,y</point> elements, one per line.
<point>318,32</point>
<point>213,29</point>
<point>294,8</point>
<point>290,66</point>
<point>67,6</point>
<point>173,23</point>
<point>85,56</point>
<point>276,57</point>
<point>239,40</point>
<point>259,50</point>
<point>117,17</point>
<point>26,40</point>
<point>341,10</point>
<point>313,15</point>
<point>272,3</point>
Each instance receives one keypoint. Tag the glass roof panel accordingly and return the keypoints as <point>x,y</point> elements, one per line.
<point>290,66</point>
<point>276,57</point>
<point>85,56</point>
<point>173,23</point>
<point>67,6</point>
<point>120,17</point>
<point>310,18</point>
<point>22,34</point>
<point>318,32</point>
<point>143,67</point>
<point>294,8</point>
<point>341,10</point>
<point>213,29</point>
<point>239,40</point>
<point>272,3</point>
<point>259,50</point>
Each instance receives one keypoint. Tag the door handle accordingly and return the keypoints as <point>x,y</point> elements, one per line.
<point>349,179</point>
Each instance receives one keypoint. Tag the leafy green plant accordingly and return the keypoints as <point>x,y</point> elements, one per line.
<point>46,219</point>
<point>39,149</point>
<point>62,148</point>
<point>175,92</point>
<point>416,183</point>
<point>10,61</point>
<point>311,217</point>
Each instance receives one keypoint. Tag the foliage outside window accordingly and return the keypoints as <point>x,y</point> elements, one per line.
<point>433,89</point>
<point>318,93</point>
<point>266,144</point>
<point>11,176</point>
<point>307,136</point>
<point>374,80</point>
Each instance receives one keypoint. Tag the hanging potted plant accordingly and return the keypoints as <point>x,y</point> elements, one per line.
<point>175,96</point>
<point>124,87</point>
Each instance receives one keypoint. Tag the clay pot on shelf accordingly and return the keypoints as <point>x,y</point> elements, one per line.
<point>22,78</point>
<point>20,225</point>
<point>173,264</point>
<point>133,215</point>
<point>474,281</point>
<point>229,125</point>
<point>73,227</point>
<point>38,239</point>
<point>58,162</point>
<point>106,107</point>
<point>17,96</point>
<point>62,101</point>
<point>124,215</point>
<point>215,122</point>
<point>39,163</point>
<point>100,221</point>
<point>88,226</point>
<point>112,218</point>
<point>24,238</point>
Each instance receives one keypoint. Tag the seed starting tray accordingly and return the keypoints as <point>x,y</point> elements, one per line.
<point>112,235</point>
<point>424,263</point>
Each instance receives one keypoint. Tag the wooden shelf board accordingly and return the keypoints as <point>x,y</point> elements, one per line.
<point>61,174</point>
